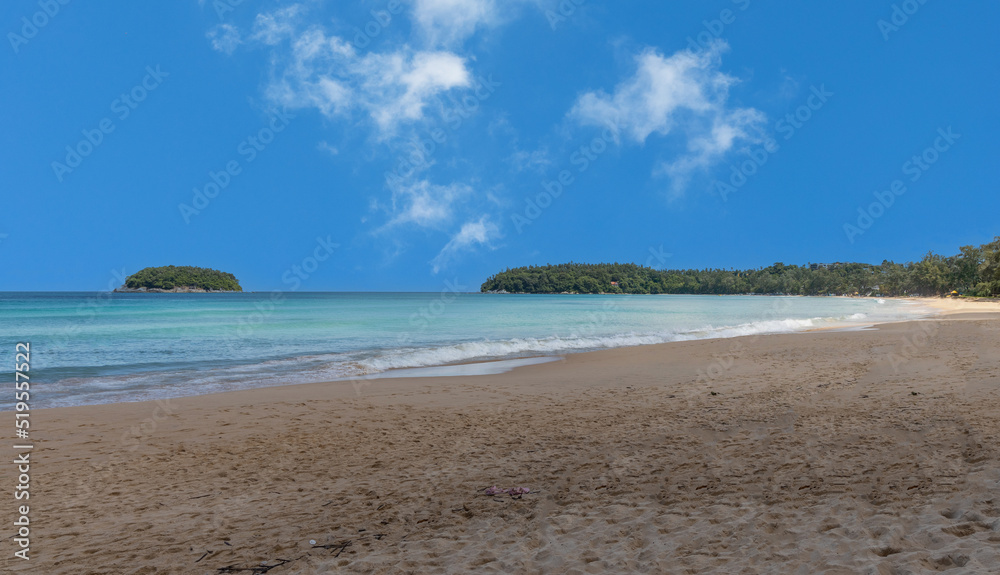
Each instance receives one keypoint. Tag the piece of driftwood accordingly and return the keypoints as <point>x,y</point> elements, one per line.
<point>258,570</point>
<point>338,546</point>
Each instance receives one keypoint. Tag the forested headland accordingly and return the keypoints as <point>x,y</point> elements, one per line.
<point>974,271</point>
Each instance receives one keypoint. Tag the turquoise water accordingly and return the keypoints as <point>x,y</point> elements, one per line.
<point>104,347</point>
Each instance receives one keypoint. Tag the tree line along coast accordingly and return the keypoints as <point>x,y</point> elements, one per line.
<point>974,271</point>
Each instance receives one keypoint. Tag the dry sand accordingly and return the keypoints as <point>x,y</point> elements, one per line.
<point>828,452</point>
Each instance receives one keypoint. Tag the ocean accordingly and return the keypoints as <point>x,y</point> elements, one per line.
<point>105,347</point>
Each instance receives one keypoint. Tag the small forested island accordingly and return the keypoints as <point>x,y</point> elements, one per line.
<point>975,271</point>
<point>180,279</point>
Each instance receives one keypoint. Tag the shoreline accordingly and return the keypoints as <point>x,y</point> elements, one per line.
<point>946,307</point>
<point>862,449</point>
<point>947,313</point>
<point>951,306</point>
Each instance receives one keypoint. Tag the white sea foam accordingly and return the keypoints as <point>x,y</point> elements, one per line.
<point>487,349</point>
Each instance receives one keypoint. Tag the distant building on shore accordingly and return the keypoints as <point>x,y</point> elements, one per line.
<point>832,266</point>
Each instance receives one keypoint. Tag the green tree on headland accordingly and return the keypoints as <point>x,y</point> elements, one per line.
<point>974,271</point>
<point>170,277</point>
<point>989,268</point>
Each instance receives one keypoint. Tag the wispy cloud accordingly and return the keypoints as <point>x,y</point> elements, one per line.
<point>684,93</point>
<point>534,160</point>
<point>326,147</point>
<point>425,204</point>
<point>225,38</point>
<point>450,22</point>
<point>325,72</point>
<point>473,234</point>
<point>273,27</point>
<point>393,93</point>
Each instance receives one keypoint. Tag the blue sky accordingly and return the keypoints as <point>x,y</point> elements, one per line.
<point>410,143</point>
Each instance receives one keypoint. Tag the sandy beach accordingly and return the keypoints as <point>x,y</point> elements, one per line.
<point>543,287</point>
<point>870,451</point>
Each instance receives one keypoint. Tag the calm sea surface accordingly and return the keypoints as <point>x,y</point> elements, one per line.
<point>104,347</point>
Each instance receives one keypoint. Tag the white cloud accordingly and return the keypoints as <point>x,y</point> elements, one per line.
<point>683,93</point>
<point>706,148</point>
<point>472,234</point>
<point>535,160</point>
<point>399,85</point>
<point>273,27</point>
<point>450,22</point>
<point>425,204</point>
<point>225,38</point>
<point>327,73</point>
<point>324,146</point>
<point>392,89</point>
